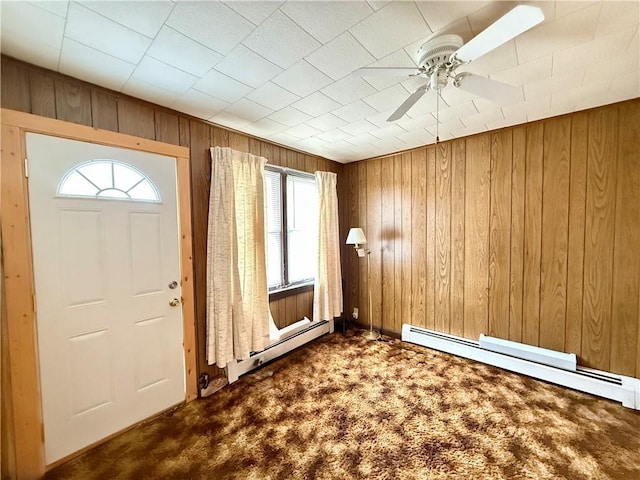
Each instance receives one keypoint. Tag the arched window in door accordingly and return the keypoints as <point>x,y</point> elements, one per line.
<point>108,179</point>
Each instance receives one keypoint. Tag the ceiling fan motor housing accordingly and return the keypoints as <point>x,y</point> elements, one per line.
<point>437,51</point>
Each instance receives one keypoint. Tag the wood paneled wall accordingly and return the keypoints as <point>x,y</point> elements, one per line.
<point>529,233</point>
<point>290,309</point>
<point>34,90</point>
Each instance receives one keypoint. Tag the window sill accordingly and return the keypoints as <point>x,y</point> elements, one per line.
<point>290,291</point>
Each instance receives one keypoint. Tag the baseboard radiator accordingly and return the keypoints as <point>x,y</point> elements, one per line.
<point>548,365</point>
<point>296,336</point>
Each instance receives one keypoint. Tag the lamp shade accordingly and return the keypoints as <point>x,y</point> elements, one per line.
<point>356,237</point>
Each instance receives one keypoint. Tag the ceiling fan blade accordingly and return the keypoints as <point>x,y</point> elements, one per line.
<point>384,72</point>
<point>509,26</point>
<point>408,103</point>
<point>492,90</point>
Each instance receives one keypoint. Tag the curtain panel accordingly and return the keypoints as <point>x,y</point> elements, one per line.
<point>237,295</point>
<point>327,290</point>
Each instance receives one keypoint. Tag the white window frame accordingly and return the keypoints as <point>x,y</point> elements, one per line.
<point>284,270</point>
<point>97,196</point>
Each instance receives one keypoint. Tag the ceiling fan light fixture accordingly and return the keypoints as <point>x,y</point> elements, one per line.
<point>438,79</point>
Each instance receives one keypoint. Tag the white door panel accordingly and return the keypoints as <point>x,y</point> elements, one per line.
<point>110,345</point>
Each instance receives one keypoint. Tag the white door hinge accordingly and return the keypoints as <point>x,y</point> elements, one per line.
<point>26,167</point>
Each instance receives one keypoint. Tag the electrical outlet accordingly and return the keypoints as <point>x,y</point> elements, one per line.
<point>355,313</point>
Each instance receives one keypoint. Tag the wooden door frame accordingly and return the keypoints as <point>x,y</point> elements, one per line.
<point>25,397</point>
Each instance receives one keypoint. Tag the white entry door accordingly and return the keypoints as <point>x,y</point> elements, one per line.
<point>104,228</point>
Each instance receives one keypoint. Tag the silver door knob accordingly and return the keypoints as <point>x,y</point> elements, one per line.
<point>174,302</point>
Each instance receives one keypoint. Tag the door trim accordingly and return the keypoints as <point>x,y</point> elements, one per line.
<point>25,397</point>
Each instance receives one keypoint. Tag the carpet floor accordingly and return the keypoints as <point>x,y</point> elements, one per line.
<point>345,408</point>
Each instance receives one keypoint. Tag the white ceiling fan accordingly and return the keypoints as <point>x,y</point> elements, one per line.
<point>440,57</point>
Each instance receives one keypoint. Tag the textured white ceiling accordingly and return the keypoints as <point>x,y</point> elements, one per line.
<point>282,70</point>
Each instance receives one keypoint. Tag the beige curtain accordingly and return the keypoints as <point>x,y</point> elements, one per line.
<point>327,290</point>
<point>237,295</point>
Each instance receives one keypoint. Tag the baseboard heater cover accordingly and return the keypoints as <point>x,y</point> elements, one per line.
<point>603,384</point>
<point>553,358</point>
<point>277,349</point>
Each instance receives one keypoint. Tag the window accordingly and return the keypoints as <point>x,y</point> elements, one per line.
<point>292,227</point>
<point>108,179</point>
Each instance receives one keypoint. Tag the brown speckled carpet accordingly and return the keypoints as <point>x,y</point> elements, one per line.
<point>343,408</point>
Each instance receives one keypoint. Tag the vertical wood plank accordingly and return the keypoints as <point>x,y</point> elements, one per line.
<point>291,306</point>
<point>167,127</point>
<point>323,165</point>
<point>598,254</point>
<point>200,184</point>
<point>311,163</point>
<point>443,238</point>
<point>301,306</point>
<point>14,88</point>
<point>220,136</point>
<point>43,94</point>
<point>185,135</point>
<point>577,211</point>
<point>238,142</point>
<point>500,233</point>
<point>308,311</point>
<point>362,223</point>
<point>73,102</point>
<point>387,250</point>
<point>266,150</point>
<point>353,194</point>
<point>395,325</point>
<point>343,229</point>
<point>555,226</point>
<point>374,236</point>
<point>458,175</point>
<point>626,261</point>
<point>275,314</point>
<point>516,290</point>
<point>430,293</point>
<point>292,159</point>
<point>476,254</point>
<point>276,154</point>
<point>135,118</point>
<point>407,240</point>
<point>104,110</point>
<point>419,235</point>
<point>532,234</point>
<point>347,203</point>
<point>254,147</point>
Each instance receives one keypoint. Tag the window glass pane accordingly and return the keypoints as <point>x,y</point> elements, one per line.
<point>99,173</point>
<point>76,184</point>
<point>124,178</point>
<point>143,191</point>
<point>108,179</point>
<point>274,259</point>
<point>113,193</point>
<point>273,207</point>
<point>274,201</point>
<point>302,224</point>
